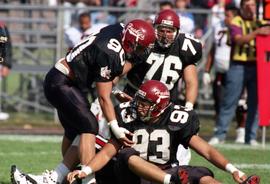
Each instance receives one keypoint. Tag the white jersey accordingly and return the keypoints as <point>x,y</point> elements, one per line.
<point>74,35</point>
<point>222,49</point>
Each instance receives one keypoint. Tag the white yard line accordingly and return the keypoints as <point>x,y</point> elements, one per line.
<point>242,146</point>
<point>23,154</point>
<point>253,166</point>
<point>32,138</point>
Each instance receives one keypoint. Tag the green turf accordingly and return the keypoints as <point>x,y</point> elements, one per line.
<point>32,157</point>
<point>238,157</point>
<point>35,157</point>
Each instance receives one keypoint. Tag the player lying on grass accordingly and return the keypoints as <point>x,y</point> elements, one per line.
<point>158,128</point>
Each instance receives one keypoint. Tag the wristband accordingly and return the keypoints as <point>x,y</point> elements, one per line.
<point>167,179</point>
<point>86,169</point>
<point>117,131</point>
<point>113,123</point>
<point>189,105</point>
<point>230,168</point>
<point>240,173</point>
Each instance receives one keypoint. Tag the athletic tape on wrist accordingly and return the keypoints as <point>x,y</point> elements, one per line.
<point>230,168</point>
<point>87,170</point>
<point>113,123</point>
<point>189,105</point>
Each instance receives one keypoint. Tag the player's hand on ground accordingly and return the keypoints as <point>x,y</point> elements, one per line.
<point>239,176</point>
<point>77,174</point>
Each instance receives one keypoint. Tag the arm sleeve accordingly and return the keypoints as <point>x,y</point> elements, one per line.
<point>191,128</point>
<point>107,67</point>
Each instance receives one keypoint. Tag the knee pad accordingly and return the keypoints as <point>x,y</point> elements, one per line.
<point>125,153</point>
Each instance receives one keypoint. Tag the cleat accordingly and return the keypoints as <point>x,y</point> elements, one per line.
<point>17,177</point>
<point>253,179</point>
<point>48,177</point>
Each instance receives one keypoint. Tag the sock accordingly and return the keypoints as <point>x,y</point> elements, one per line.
<point>167,179</point>
<point>61,170</point>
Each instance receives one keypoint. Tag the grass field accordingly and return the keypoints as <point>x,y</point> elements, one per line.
<point>34,154</point>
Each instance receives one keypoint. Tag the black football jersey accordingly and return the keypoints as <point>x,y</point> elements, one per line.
<point>165,64</point>
<point>158,142</point>
<point>98,58</point>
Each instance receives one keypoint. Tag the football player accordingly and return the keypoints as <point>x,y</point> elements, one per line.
<point>97,59</point>
<point>173,56</point>
<point>158,128</point>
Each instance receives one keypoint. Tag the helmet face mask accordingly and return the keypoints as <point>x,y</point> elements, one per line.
<point>151,100</point>
<point>167,26</point>
<point>144,108</point>
<point>165,35</point>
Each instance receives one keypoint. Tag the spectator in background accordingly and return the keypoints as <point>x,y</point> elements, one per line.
<point>70,14</point>
<point>187,19</point>
<point>219,56</point>
<point>83,29</point>
<point>75,34</point>
<point>218,12</point>
<point>103,17</point>
<point>5,60</point>
<point>5,50</point>
<point>163,5</point>
<point>242,73</point>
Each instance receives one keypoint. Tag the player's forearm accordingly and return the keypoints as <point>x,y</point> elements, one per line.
<point>191,81</point>
<point>191,91</point>
<point>216,158</point>
<point>242,39</point>
<point>107,108</point>
<point>103,157</point>
<point>210,59</point>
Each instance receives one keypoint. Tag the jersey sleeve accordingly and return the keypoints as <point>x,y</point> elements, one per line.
<point>192,128</point>
<point>190,49</point>
<point>107,66</point>
<point>119,118</point>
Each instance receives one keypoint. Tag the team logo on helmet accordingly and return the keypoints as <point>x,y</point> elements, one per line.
<point>167,22</point>
<point>135,32</point>
<point>162,95</point>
